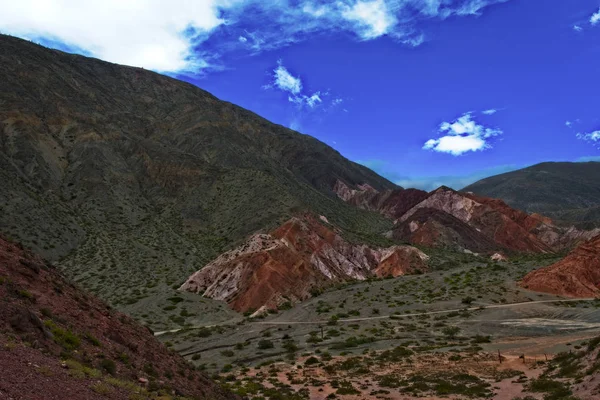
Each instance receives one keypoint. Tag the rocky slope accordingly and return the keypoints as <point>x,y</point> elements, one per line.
<point>577,275</point>
<point>57,342</point>
<point>131,180</point>
<point>463,221</point>
<point>300,257</point>
<point>567,192</point>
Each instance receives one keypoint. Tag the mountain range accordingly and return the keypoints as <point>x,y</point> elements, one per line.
<point>185,211</point>
<point>132,181</point>
<point>568,192</point>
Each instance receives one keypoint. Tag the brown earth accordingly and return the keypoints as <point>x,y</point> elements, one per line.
<point>56,340</point>
<point>577,275</point>
<point>299,257</point>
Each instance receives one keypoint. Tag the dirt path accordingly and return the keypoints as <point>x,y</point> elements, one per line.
<point>323,322</point>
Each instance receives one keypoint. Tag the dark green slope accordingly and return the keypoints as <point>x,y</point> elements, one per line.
<point>567,192</point>
<point>133,180</point>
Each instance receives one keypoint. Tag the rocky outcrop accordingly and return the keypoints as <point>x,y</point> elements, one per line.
<point>391,203</point>
<point>463,221</point>
<point>45,320</point>
<point>299,257</point>
<point>577,275</point>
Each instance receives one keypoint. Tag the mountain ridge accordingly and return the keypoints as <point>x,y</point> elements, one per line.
<point>131,180</point>
<point>568,192</point>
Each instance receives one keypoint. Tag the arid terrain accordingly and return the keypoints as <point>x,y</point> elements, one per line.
<point>137,209</point>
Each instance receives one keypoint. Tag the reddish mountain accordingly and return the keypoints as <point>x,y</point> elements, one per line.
<point>295,259</point>
<point>576,275</point>
<point>391,203</point>
<point>464,221</point>
<point>62,343</point>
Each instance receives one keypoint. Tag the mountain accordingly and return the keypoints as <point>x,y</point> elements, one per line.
<point>301,257</point>
<point>577,275</point>
<point>58,342</point>
<point>462,221</point>
<point>567,192</point>
<point>131,180</point>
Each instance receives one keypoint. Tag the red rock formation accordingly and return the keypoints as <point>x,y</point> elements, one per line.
<point>290,262</point>
<point>391,203</point>
<point>44,318</point>
<point>447,218</point>
<point>576,275</point>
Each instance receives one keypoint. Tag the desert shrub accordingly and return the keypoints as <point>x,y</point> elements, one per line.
<point>63,337</point>
<point>108,366</point>
<point>311,361</point>
<point>265,344</point>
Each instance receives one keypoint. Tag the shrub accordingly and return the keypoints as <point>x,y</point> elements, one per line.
<point>108,366</point>
<point>451,331</point>
<point>265,344</point>
<point>311,361</point>
<point>65,338</point>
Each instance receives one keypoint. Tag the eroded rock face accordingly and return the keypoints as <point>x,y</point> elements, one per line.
<point>576,275</point>
<point>391,203</point>
<point>298,257</point>
<point>463,221</point>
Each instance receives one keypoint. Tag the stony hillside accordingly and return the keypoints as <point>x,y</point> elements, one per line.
<point>58,342</point>
<point>577,275</point>
<point>131,180</point>
<point>296,260</point>
<point>567,192</point>
<point>462,221</point>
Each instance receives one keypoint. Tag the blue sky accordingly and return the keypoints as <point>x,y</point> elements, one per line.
<point>425,92</point>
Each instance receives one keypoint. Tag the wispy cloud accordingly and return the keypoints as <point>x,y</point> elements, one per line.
<point>591,137</point>
<point>491,111</point>
<point>595,18</point>
<point>191,36</point>
<point>461,136</point>
<point>372,18</point>
<point>285,81</point>
<point>577,28</point>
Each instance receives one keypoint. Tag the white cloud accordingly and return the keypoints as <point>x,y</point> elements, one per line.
<point>461,136</point>
<point>595,18</point>
<point>592,137</point>
<point>292,85</point>
<point>568,124</point>
<point>474,7</point>
<point>373,18</point>
<point>179,35</point>
<point>577,28</point>
<point>152,34</point>
<point>313,100</point>
<point>491,111</point>
<point>286,81</point>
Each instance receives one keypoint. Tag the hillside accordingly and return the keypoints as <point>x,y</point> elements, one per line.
<point>567,192</point>
<point>131,180</point>
<point>577,275</point>
<point>300,258</point>
<point>57,342</point>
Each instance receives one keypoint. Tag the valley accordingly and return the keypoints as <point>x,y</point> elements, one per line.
<point>270,266</point>
<point>463,315</point>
